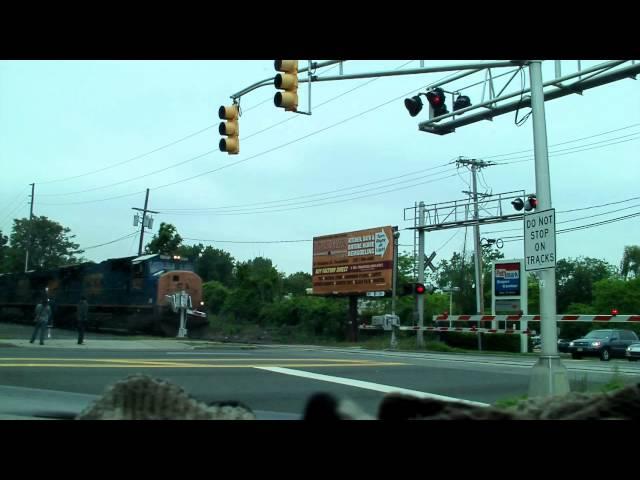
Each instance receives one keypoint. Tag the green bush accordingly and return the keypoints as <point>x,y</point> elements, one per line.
<point>214,295</point>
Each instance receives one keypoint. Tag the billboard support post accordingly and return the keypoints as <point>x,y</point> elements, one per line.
<point>353,318</point>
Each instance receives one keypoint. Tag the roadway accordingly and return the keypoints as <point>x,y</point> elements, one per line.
<point>281,378</point>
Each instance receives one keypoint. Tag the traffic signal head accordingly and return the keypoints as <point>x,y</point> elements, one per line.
<point>436,99</point>
<point>531,203</point>
<point>614,312</point>
<point>287,81</point>
<point>419,289</point>
<point>414,105</point>
<point>230,128</point>
<point>461,102</point>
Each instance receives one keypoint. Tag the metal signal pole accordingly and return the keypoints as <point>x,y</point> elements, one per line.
<point>549,376</point>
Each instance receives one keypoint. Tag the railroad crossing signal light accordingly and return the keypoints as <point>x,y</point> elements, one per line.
<point>461,102</point>
<point>531,203</point>
<point>287,81</point>
<point>419,289</point>
<point>414,105</point>
<point>230,128</point>
<point>436,99</point>
<point>614,312</point>
<point>518,204</point>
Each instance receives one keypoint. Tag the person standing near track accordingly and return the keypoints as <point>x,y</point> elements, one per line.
<point>42,315</point>
<point>83,314</point>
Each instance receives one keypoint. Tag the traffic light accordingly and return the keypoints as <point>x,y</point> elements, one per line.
<point>287,81</point>
<point>436,99</point>
<point>614,312</point>
<point>414,289</point>
<point>419,289</point>
<point>230,128</point>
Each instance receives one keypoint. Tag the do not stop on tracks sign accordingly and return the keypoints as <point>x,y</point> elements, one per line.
<point>540,240</point>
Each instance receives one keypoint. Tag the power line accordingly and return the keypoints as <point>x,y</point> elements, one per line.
<point>283,202</point>
<point>130,159</point>
<point>134,234</point>
<point>563,143</point>
<point>304,137</point>
<point>246,241</point>
<point>580,209</point>
<point>137,177</point>
<point>581,227</point>
<point>277,209</point>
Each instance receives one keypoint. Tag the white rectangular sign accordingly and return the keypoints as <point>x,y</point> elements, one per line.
<point>540,240</point>
<point>375,294</point>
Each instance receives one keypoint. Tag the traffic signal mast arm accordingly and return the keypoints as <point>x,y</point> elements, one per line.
<point>470,69</point>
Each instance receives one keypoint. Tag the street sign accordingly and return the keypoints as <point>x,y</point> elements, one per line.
<point>540,240</point>
<point>428,262</point>
<point>375,294</point>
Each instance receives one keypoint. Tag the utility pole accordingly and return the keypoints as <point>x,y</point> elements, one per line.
<point>475,166</point>
<point>396,236</point>
<point>26,258</point>
<point>420,300</point>
<point>549,376</point>
<point>144,220</point>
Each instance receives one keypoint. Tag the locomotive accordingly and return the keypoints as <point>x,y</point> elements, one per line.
<point>127,294</point>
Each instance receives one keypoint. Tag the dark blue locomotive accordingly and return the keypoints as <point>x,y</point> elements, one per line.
<point>128,293</point>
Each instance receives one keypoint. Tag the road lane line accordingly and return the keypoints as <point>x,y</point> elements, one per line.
<point>193,365</point>
<point>369,385</point>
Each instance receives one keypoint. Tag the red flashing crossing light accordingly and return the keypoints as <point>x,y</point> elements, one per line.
<point>419,289</point>
<point>436,99</point>
<point>531,203</point>
<point>614,312</point>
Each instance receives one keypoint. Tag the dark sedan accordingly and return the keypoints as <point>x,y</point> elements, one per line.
<point>603,343</point>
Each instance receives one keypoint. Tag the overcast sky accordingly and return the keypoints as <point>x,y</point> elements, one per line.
<point>61,119</point>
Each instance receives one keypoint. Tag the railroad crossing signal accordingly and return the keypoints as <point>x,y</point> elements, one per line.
<point>287,81</point>
<point>427,262</point>
<point>230,128</point>
<point>530,204</point>
<point>436,100</point>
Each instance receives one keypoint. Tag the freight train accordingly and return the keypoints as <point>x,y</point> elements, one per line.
<point>126,294</point>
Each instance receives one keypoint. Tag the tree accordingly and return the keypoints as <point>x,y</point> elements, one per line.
<point>616,293</point>
<point>50,245</point>
<point>4,250</point>
<point>214,295</point>
<point>630,263</point>
<point>297,283</point>
<point>166,241</point>
<point>210,263</point>
<point>575,279</point>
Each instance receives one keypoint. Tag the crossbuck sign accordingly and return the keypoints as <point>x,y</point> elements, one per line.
<point>540,240</point>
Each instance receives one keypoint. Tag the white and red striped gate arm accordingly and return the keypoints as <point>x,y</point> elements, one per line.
<point>536,318</point>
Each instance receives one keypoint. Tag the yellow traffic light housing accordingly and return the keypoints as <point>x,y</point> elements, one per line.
<point>287,81</point>
<point>230,128</point>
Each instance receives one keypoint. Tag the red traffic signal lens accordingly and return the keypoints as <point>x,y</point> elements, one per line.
<point>420,289</point>
<point>614,312</point>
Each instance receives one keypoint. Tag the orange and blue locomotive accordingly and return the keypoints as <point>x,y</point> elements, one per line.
<point>130,294</point>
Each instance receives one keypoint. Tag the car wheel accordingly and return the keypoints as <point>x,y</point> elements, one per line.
<point>605,355</point>
<point>575,356</point>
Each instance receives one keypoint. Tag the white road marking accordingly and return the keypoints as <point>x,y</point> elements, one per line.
<point>204,353</point>
<point>368,385</point>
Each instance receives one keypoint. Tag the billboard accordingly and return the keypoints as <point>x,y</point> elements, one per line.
<point>353,263</point>
<point>507,279</point>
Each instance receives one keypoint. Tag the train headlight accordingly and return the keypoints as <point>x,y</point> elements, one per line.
<point>201,303</point>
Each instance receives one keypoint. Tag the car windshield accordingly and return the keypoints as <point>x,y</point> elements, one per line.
<point>599,334</point>
<point>253,232</point>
